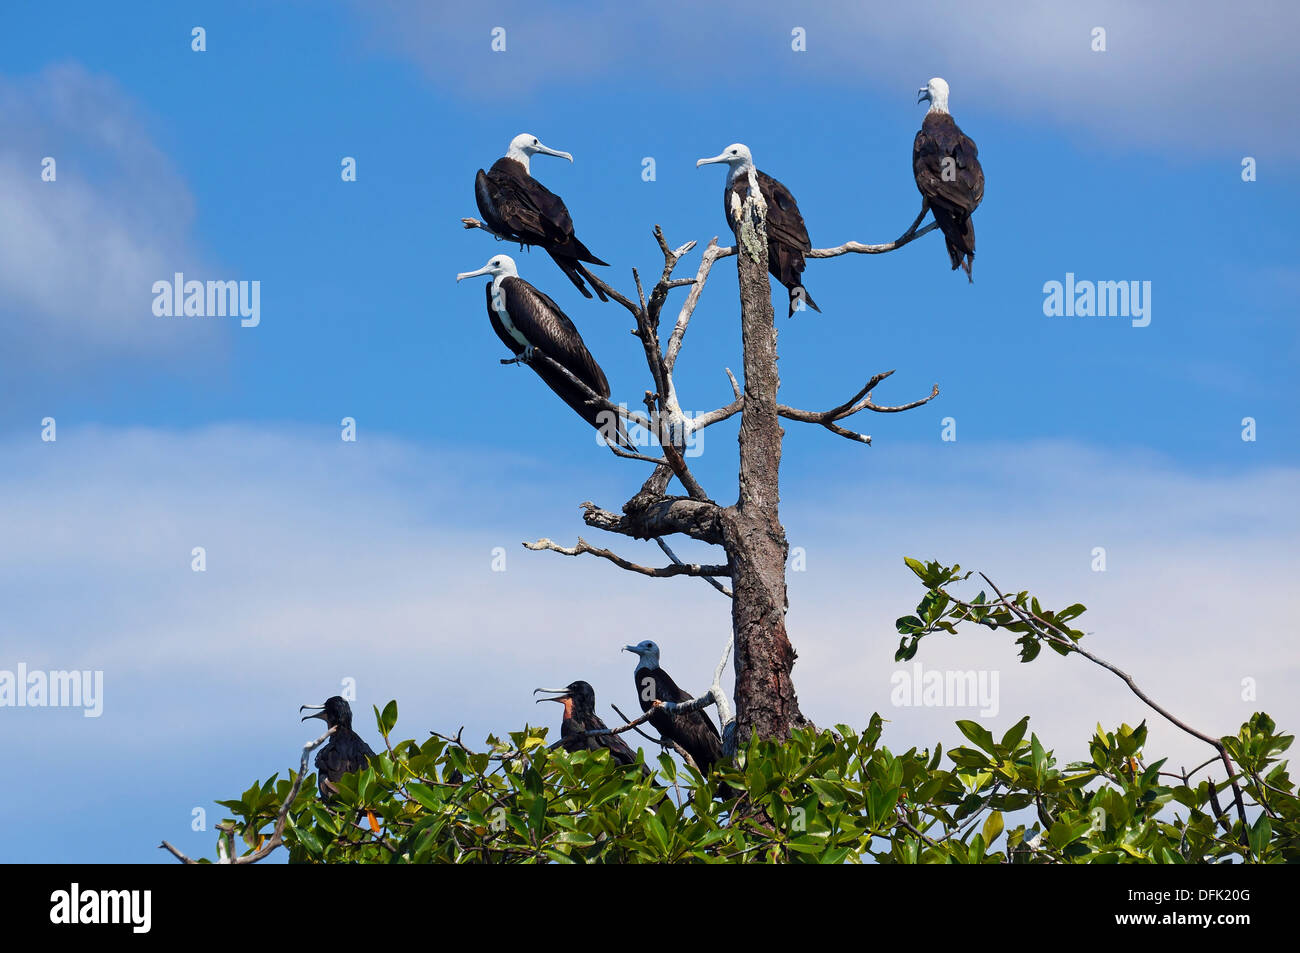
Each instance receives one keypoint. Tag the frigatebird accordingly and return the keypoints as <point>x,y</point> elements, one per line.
<point>694,731</point>
<point>519,208</point>
<point>787,236</point>
<point>947,169</point>
<point>344,753</point>
<point>579,701</point>
<point>526,319</point>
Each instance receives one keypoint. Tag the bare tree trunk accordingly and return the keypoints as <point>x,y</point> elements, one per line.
<point>752,532</point>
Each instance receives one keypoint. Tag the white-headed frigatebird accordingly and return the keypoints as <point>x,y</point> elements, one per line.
<point>947,168</point>
<point>519,208</point>
<point>525,318</point>
<point>787,236</point>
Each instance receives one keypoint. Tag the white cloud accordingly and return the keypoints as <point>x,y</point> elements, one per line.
<point>79,255</point>
<point>372,561</point>
<point>1209,79</point>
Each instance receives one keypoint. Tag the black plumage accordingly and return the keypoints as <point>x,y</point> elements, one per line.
<point>579,701</point>
<point>525,318</point>
<point>946,165</point>
<point>344,753</point>
<point>519,208</point>
<point>787,235</point>
<point>694,731</point>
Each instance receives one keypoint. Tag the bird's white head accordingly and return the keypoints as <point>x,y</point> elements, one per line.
<point>935,93</point>
<point>736,156</point>
<point>647,653</point>
<point>498,266</point>
<point>525,145</point>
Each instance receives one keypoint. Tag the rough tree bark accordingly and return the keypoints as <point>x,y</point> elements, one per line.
<point>750,530</point>
<point>752,534</point>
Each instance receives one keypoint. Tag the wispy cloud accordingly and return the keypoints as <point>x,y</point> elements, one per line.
<point>1210,78</point>
<point>373,561</point>
<point>78,255</point>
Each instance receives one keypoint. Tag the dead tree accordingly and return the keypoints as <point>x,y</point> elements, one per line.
<point>748,531</point>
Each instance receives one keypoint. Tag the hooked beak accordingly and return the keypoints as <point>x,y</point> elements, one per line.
<point>320,714</point>
<point>631,648</point>
<point>548,151</point>
<point>923,95</point>
<point>718,158</point>
<point>486,269</point>
<point>562,694</point>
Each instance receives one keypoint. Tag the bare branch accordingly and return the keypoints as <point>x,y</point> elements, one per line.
<point>676,569</point>
<point>827,418</point>
<point>867,404</point>
<point>176,853</point>
<point>858,248</point>
<point>277,836</point>
<point>594,399</point>
<point>726,717</point>
<point>688,306</point>
<point>719,415</point>
<point>1055,634</point>
<point>628,455</point>
<point>637,728</point>
<point>709,579</point>
<point>646,518</point>
<point>809,417</point>
<point>662,742</point>
<point>857,403</point>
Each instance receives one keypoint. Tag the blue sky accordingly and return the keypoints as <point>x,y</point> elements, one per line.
<point>371,560</point>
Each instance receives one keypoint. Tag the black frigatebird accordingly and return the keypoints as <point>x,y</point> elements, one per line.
<point>787,236</point>
<point>519,208</point>
<point>345,753</point>
<point>524,319</point>
<point>579,701</point>
<point>947,169</point>
<point>694,731</point>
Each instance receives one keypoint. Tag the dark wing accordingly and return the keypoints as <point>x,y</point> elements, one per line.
<point>619,749</point>
<point>694,731</point>
<point>546,327</point>
<point>486,197</point>
<point>343,755</point>
<point>784,223</point>
<point>940,139</point>
<point>666,690</point>
<point>541,321</point>
<point>525,206</point>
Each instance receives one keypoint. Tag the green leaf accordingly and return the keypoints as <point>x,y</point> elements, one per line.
<point>1260,834</point>
<point>992,827</point>
<point>426,795</point>
<point>388,720</point>
<point>977,733</point>
<point>1015,734</point>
